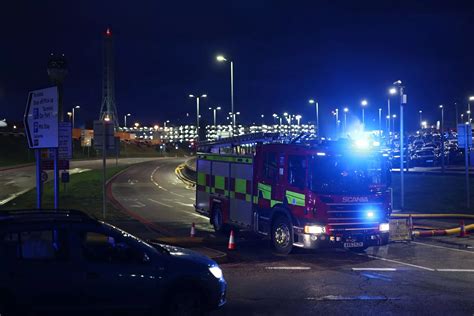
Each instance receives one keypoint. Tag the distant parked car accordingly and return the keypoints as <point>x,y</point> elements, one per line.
<point>66,260</point>
<point>425,157</point>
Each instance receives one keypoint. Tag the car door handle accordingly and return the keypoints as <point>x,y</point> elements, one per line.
<point>92,275</point>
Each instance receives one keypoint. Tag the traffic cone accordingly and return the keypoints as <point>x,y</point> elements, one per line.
<point>231,241</point>
<point>462,233</point>
<point>193,230</point>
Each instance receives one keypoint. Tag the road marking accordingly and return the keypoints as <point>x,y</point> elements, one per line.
<point>138,204</point>
<point>396,261</point>
<point>160,203</point>
<point>435,246</point>
<point>13,196</point>
<point>455,270</point>
<point>350,298</point>
<point>374,269</point>
<point>288,268</point>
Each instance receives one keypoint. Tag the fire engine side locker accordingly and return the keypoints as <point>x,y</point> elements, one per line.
<point>226,178</point>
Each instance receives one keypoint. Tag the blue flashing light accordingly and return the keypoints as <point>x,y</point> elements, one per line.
<point>370,214</point>
<point>321,154</point>
<point>362,143</point>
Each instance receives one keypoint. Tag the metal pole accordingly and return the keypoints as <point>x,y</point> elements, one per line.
<point>317,119</point>
<point>345,122</point>
<point>402,167</point>
<point>363,116</point>
<point>56,178</point>
<point>442,139</point>
<point>125,120</point>
<point>215,124</point>
<point>73,117</point>
<point>466,148</point>
<point>39,183</point>
<point>389,116</point>
<point>197,117</point>
<point>380,122</point>
<point>232,94</point>
<point>104,166</point>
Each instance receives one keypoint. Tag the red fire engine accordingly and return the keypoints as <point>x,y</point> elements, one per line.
<point>306,194</point>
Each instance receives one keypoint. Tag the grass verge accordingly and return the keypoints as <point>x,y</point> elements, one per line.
<point>83,192</point>
<point>425,193</point>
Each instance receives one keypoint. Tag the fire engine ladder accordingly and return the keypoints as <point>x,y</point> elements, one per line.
<point>233,143</point>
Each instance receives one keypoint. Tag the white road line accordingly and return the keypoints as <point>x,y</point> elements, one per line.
<point>441,247</point>
<point>374,269</point>
<point>455,270</point>
<point>399,262</point>
<point>288,268</point>
<point>350,298</point>
<point>160,203</point>
<point>13,196</point>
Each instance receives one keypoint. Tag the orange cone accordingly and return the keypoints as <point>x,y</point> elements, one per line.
<point>231,241</point>
<point>193,230</point>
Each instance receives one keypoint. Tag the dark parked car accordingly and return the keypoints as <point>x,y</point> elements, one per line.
<point>66,260</point>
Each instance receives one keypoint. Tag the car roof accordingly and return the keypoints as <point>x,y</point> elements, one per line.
<point>44,215</point>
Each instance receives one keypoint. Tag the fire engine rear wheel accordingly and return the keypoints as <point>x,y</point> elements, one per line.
<point>217,221</point>
<point>282,235</point>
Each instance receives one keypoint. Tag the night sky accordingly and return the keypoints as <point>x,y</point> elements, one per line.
<point>285,52</point>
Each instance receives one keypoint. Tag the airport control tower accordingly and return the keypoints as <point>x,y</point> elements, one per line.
<point>108,109</point>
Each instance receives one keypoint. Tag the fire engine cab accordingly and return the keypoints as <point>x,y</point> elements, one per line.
<point>307,194</point>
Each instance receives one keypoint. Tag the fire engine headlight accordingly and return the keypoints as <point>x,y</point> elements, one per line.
<point>384,227</point>
<point>314,229</point>
<point>216,271</point>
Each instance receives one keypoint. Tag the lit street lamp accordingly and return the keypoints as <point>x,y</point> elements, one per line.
<point>215,114</point>
<point>197,111</point>
<point>164,124</point>
<point>421,112</point>
<point>125,119</point>
<point>221,58</point>
<point>298,119</point>
<point>312,101</point>
<point>380,122</point>
<point>394,116</point>
<point>73,114</point>
<point>364,104</point>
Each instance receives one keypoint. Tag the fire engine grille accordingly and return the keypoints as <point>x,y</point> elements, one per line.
<point>355,217</point>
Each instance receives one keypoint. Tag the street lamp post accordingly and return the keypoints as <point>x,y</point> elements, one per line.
<point>364,104</point>
<point>311,101</point>
<point>73,114</point>
<point>421,119</point>
<point>164,124</point>
<point>398,83</point>
<point>394,116</point>
<point>125,119</point>
<point>221,58</point>
<point>469,109</point>
<point>215,114</point>
<point>442,138</point>
<point>391,91</point>
<point>345,120</point>
<point>298,119</point>
<point>380,122</point>
<point>197,111</point>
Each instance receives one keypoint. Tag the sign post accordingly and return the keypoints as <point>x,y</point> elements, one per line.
<point>465,140</point>
<point>41,126</point>
<point>104,140</point>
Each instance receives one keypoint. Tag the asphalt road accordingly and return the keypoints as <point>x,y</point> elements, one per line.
<point>16,181</point>
<point>427,276</point>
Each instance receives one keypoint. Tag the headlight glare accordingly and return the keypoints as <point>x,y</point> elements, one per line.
<point>384,227</point>
<point>216,271</point>
<point>314,229</point>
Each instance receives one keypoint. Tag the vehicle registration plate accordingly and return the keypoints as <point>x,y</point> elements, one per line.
<point>353,244</point>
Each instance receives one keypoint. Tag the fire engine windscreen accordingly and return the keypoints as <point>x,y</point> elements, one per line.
<point>349,174</point>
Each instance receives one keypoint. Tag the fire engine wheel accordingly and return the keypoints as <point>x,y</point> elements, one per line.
<point>282,236</point>
<point>217,221</point>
